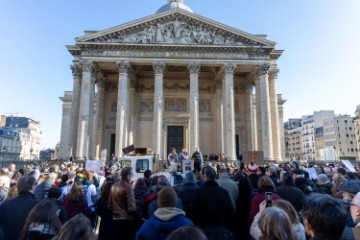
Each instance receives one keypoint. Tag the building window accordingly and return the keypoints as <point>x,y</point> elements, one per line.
<point>347,135</point>
<point>351,142</point>
<point>345,121</point>
<point>350,128</point>
<point>340,142</point>
<point>352,150</point>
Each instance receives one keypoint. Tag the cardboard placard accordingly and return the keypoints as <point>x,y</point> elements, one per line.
<point>93,165</point>
<point>312,173</point>
<point>348,165</point>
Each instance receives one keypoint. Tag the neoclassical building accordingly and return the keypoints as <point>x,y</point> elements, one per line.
<point>173,79</point>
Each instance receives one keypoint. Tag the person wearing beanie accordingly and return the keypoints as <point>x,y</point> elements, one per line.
<point>324,185</point>
<point>166,218</point>
<point>187,193</point>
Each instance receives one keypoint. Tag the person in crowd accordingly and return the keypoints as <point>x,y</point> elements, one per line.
<point>323,184</point>
<point>289,192</point>
<point>153,203</point>
<point>12,169</point>
<point>106,228</point>
<point>14,212</point>
<point>310,181</point>
<point>275,224</point>
<point>123,205</point>
<point>187,193</point>
<point>79,228</point>
<point>42,189</point>
<point>183,156</point>
<point>188,232</point>
<point>173,160</point>
<point>349,189</point>
<point>141,192</point>
<point>75,202</point>
<point>166,218</point>
<point>302,184</point>
<point>212,209</point>
<point>265,184</point>
<point>294,217</point>
<point>355,215</point>
<point>198,159</point>
<point>90,194</point>
<point>42,222</point>
<point>4,187</point>
<point>147,178</point>
<point>324,217</point>
<point>229,185</point>
<point>55,194</point>
<point>338,179</point>
<point>272,173</point>
<point>199,179</point>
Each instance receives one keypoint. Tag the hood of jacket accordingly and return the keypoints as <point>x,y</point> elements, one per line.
<point>166,219</point>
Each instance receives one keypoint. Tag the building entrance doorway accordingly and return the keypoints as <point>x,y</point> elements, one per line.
<point>175,138</point>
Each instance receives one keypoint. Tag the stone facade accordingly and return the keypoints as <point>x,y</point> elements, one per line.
<point>133,83</point>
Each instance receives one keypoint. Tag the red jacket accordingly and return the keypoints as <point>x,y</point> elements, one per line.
<point>259,198</point>
<point>73,208</point>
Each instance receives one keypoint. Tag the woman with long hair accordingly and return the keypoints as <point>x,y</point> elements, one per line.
<point>77,228</point>
<point>42,222</point>
<point>265,184</point>
<point>75,202</point>
<point>286,206</point>
<point>106,229</point>
<point>275,224</point>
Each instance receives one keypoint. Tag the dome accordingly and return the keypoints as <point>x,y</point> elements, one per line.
<point>174,4</point>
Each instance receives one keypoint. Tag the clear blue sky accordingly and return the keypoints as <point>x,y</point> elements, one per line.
<point>319,69</point>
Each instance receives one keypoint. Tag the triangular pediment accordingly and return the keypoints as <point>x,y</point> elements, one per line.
<point>175,27</point>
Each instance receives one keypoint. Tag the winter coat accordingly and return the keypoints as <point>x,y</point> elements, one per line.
<point>292,194</point>
<point>106,229</point>
<point>212,207</point>
<point>259,198</point>
<point>75,207</point>
<point>231,187</point>
<point>42,189</point>
<point>187,195</point>
<point>162,223</point>
<point>122,201</point>
<point>13,214</point>
<point>325,188</point>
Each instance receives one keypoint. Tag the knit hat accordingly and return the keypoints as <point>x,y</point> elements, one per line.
<point>190,177</point>
<point>252,167</point>
<point>323,179</point>
<point>167,197</point>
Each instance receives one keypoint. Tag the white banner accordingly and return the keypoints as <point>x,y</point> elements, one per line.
<point>348,165</point>
<point>312,172</point>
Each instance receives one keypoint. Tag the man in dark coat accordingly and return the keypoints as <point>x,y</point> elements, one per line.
<point>212,209</point>
<point>14,212</point>
<point>288,191</point>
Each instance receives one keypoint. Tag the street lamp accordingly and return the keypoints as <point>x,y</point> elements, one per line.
<point>334,153</point>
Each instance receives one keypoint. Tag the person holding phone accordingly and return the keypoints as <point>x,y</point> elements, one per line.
<point>265,185</point>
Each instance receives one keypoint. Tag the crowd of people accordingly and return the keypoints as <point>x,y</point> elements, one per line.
<point>223,201</point>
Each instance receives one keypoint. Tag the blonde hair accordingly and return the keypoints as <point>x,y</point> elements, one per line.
<point>265,181</point>
<point>275,224</point>
<point>289,209</point>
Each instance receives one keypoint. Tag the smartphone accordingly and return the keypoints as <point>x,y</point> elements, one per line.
<point>268,199</point>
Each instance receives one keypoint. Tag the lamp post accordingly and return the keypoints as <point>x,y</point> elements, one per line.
<point>334,148</point>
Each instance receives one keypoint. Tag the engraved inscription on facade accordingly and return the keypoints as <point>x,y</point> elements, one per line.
<point>175,104</point>
<point>205,106</point>
<point>146,106</point>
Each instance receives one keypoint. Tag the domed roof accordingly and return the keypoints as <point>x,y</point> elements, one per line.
<point>174,4</point>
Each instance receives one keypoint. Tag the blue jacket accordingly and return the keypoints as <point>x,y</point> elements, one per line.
<point>158,227</point>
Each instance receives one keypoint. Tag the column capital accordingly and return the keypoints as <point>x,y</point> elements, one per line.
<point>159,67</point>
<point>229,68</point>
<point>194,67</point>
<point>273,73</point>
<point>263,69</point>
<point>76,69</point>
<point>88,66</point>
<point>124,67</point>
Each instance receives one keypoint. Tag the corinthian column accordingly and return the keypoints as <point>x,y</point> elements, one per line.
<point>249,113</point>
<point>219,114</point>
<point>99,118</point>
<point>194,69</point>
<point>76,69</point>
<point>86,112</point>
<point>274,114</point>
<point>230,151</point>
<point>122,108</point>
<point>158,109</point>
<point>267,143</point>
